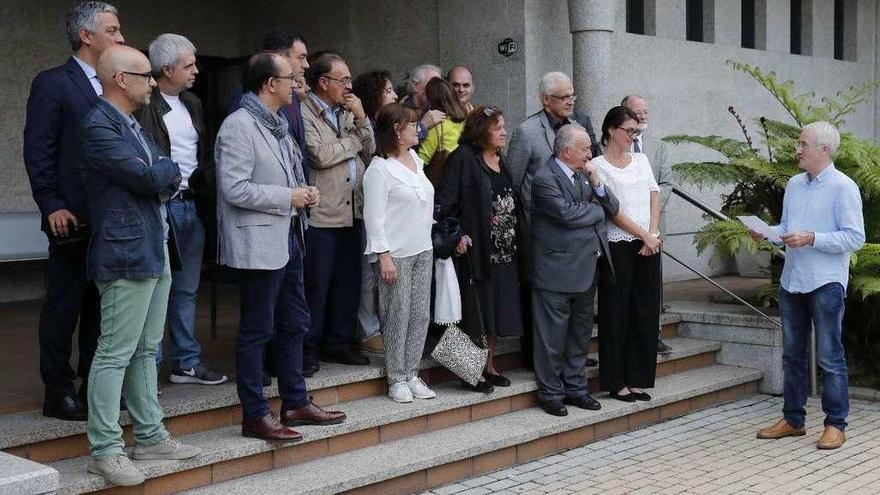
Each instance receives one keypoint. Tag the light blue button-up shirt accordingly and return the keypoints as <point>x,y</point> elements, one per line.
<point>830,206</point>
<point>331,115</point>
<point>91,75</point>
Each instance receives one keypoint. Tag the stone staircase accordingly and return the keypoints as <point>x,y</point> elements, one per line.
<point>384,447</point>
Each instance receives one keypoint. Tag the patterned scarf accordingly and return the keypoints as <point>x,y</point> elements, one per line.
<point>278,126</point>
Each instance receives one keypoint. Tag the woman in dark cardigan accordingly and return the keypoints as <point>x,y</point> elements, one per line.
<point>478,191</point>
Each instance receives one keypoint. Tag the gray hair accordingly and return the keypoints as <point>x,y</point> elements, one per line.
<point>550,81</point>
<point>826,135</point>
<point>626,99</point>
<point>84,15</point>
<point>166,49</point>
<point>565,137</point>
<point>418,75</point>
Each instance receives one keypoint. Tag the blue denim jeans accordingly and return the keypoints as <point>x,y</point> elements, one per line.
<point>185,349</point>
<point>824,308</point>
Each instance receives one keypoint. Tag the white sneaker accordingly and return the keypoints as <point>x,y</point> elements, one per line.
<point>419,389</point>
<point>116,469</point>
<point>166,449</point>
<point>399,392</point>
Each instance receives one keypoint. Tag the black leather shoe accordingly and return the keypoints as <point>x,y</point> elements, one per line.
<point>345,356</point>
<point>481,386</point>
<point>641,396</point>
<point>592,362</point>
<point>630,397</point>
<point>67,407</point>
<point>554,407</point>
<point>583,402</point>
<point>663,348</point>
<point>497,380</point>
<point>310,368</point>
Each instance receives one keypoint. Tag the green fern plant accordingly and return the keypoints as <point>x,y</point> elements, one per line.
<point>759,172</point>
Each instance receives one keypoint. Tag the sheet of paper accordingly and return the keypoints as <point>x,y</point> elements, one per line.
<point>761,226</point>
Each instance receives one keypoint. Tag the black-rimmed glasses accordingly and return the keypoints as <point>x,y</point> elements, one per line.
<point>631,131</point>
<point>148,75</point>
<point>345,81</point>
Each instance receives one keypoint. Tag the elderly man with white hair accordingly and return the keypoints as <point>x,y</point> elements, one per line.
<point>418,80</point>
<point>821,226</point>
<point>175,119</point>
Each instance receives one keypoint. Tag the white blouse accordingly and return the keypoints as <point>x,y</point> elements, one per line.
<point>632,185</point>
<point>398,208</point>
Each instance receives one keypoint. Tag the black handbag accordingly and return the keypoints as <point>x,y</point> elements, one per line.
<point>445,236</point>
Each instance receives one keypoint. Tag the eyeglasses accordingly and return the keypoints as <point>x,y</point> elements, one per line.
<point>801,147</point>
<point>641,113</point>
<point>148,75</point>
<point>345,81</point>
<point>633,132</point>
<point>566,98</point>
<point>490,111</point>
<point>290,77</point>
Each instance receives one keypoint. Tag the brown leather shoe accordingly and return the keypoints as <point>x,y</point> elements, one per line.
<point>781,430</point>
<point>831,438</point>
<point>311,414</point>
<point>268,428</point>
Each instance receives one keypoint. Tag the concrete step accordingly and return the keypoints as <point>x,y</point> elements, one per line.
<point>436,458</point>
<point>372,420</point>
<point>194,408</point>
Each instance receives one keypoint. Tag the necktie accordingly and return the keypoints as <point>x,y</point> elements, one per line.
<point>636,146</point>
<point>579,185</point>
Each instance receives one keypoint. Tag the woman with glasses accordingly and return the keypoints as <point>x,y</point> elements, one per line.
<point>442,139</point>
<point>398,213</point>
<point>477,190</point>
<point>629,296</point>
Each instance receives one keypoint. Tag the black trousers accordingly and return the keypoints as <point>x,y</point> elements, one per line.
<point>70,299</point>
<point>629,316</point>
<point>333,287</point>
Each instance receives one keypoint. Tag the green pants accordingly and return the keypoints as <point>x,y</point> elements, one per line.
<point>132,324</point>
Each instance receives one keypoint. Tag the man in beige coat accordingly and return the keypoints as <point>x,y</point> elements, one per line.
<point>339,140</point>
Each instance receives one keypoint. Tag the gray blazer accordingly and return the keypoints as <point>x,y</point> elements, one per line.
<point>254,191</point>
<point>530,147</point>
<point>568,230</point>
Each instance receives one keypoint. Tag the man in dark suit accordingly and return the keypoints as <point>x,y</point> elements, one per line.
<point>128,183</point>
<point>59,99</point>
<point>568,228</point>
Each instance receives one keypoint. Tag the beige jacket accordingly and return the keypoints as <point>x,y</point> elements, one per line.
<point>329,154</point>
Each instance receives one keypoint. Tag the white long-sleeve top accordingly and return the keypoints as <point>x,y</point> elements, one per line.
<point>398,208</point>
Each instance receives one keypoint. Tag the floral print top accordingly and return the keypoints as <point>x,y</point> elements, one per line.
<point>502,221</point>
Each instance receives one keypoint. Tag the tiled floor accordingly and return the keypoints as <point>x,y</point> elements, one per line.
<point>709,452</point>
<point>21,389</point>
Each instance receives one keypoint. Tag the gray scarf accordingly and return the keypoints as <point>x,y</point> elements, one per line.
<point>278,126</point>
<point>290,152</point>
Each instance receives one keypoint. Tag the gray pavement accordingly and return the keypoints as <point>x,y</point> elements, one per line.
<point>710,452</point>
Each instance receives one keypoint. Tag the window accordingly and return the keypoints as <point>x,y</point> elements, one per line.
<point>801,27</point>
<point>635,16</point>
<point>748,23</point>
<point>845,29</point>
<point>694,20</point>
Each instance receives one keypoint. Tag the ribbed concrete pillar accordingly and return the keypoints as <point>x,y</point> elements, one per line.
<point>592,22</point>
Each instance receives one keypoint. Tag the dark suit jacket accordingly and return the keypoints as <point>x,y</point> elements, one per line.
<point>203,181</point>
<point>568,230</point>
<point>293,114</point>
<point>59,100</point>
<point>124,191</point>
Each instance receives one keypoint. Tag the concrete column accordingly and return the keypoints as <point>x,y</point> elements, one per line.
<point>822,28</point>
<point>669,19</point>
<point>592,23</point>
<point>779,26</point>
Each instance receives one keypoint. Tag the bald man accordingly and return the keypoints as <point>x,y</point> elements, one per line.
<point>128,182</point>
<point>462,82</point>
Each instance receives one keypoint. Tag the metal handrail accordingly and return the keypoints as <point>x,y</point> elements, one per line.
<point>814,369</point>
